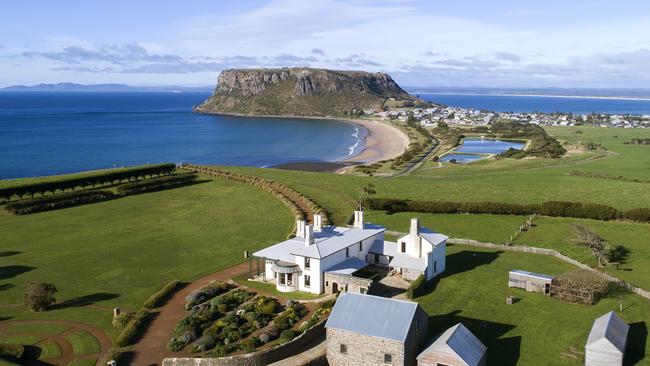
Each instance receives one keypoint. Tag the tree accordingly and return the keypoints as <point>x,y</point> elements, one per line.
<point>598,245</point>
<point>367,191</point>
<point>39,296</point>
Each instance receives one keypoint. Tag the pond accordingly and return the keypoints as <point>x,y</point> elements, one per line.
<point>488,146</point>
<point>461,158</point>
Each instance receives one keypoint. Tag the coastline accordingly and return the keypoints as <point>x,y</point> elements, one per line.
<point>544,96</point>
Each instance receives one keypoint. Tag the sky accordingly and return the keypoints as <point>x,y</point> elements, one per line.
<point>497,43</point>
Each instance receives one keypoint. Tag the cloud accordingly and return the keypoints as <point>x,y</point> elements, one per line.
<point>317,51</point>
<point>354,60</point>
<point>507,56</point>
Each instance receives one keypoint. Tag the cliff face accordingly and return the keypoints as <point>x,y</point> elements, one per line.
<point>300,92</point>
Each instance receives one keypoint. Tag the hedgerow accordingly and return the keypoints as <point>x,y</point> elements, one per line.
<point>134,328</point>
<point>156,184</point>
<point>56,201</point>
<point>414,288</point>
<point>163,294</point>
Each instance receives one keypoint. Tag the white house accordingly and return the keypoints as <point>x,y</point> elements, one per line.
<point>323,258</point>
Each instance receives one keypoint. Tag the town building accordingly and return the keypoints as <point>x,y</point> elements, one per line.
<point>457,346</point>
<point>372,330</point>
<point>323,259</point>
<point>607,341</point>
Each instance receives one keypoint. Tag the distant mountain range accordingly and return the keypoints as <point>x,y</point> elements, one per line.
<point>73,87</point>
<point>574,92</point>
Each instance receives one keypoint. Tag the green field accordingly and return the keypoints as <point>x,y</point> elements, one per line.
<point>118,253</point>
<point>536,330</point>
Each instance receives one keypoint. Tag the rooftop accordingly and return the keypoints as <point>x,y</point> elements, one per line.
<point>611,327</point>
<point>532,274</point>
<point>458,340</point>
<point>348,266</point>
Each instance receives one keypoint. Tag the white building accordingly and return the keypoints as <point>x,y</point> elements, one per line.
<point>607,341</point>
<point>323,258</point>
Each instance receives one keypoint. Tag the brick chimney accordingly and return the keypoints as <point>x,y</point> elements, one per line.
<point>309,235</point>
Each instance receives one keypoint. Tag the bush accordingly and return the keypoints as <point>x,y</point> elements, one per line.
<point>638,214</point>
<point>287,335</point>
<point>122,320</point>
<point>206,293</point>
<point>11,352</point>
<point>415,287</point>
<point>39,296</point>
<point>114,355</point>
<point>133,329</point>
<point>163,294</point>
<point>156,184</point>
<point>56,201</point>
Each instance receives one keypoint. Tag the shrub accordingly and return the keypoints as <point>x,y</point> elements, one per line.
<point>134,328</point>
<point>638,214</point>
<point>56,201</point>
<point>206,293</point>
<point>415,287</point>
<point>264,338</point>
<point>121,320</point>
<point>163,294</point>
<point>39,296</point>
<point>204,343</point>
<point>156,184</point>
<point>287,335</point>
<point>113,355</point>
<point>11,352</point>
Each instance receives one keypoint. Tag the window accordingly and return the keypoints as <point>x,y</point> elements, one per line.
<point>281,278</point>
<point>435,266</point>
<point>376,258</point>
<point>343,348</point>
<point>347,252</point>
<point>388,358</point>
<point>403,247</point>
<point>360,246</point>
<point>307,281</point>
<point>307,263</point>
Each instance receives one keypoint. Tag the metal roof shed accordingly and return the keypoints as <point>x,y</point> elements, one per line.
<point>607,341</point>
<point>457,346</point>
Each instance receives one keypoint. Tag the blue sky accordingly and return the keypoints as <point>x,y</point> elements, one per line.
<point>592,44</point>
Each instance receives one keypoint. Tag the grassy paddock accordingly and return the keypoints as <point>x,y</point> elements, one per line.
<point>536,330</point>
<point>118,253</point>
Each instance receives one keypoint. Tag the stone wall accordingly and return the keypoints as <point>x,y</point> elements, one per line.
<point>346,283</point>
<point>259,358</point>
<point>361,350</point>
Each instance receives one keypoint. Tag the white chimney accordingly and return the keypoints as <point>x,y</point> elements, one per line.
<point>300,228</point>
<point>309,235</point>
<point>318,223</point>
<point>415,228</point>
<point>358,219</point>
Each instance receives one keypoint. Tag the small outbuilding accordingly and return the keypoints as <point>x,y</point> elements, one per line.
<point>607,341</point>
<point>457,346</point>
<point>529,281</point>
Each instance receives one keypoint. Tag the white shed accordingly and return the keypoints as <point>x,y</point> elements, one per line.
<point>607,341</point>
<point>457,346</point>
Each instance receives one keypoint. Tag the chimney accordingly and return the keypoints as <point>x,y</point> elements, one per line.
<point>309,235</point>
<point>300,228</point>
<point>318,223</point>
<point>358,219</point>
<point>415,229</point>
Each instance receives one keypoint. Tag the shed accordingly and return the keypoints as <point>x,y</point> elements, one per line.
<point>457,346</point>
<point>607,341</point>
<point>529,281</point>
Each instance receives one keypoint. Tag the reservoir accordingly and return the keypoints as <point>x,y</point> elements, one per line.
<point>473,149</point>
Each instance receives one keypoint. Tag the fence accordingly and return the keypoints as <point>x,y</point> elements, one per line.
<point>526,249</point>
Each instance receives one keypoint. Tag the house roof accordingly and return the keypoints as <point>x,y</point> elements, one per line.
<point>434,238</point>
<point>348,266</point>
<point>458,340</point>
<point>610,327</point>
<point>388,248</point>
<point>402,260</point>
<point>532,274</point>
<point>373,316</point>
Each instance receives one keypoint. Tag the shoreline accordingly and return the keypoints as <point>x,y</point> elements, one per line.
<point>383,141</point>
<point>645,99</point>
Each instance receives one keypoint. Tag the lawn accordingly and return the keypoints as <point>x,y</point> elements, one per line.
<point>271,290</point>
<point>118,253</point>
<point>83,343</point>
<point>536,330</point>
<point>486,228</point>
<point>558,234</point>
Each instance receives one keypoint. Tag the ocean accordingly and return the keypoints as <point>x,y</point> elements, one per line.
<point>56,133</point>
<point>547,104</point>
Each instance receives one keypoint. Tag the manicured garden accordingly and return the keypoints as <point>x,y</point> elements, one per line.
<point>536,330</point>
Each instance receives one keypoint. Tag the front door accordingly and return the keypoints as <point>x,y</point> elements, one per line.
<point>335,287</point>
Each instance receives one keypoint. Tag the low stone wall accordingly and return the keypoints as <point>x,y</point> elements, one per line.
<point>526,249</point>
<point>259,358</point>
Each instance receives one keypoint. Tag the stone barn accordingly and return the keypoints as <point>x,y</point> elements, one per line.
<point>457,346</point>
<point>607,341</point>
<point>371,330</point>
<point>529,281</point>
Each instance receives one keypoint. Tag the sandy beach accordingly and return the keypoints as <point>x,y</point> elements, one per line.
<point>383,142</point>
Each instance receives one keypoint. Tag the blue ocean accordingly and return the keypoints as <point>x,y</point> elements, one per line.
<point>547,104</point>
<point>55,133</point>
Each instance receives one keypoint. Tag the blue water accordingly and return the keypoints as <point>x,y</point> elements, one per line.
<point>461,158</point>
<point>478,146</point>
<point>54,133</point>
<point>547,104</point>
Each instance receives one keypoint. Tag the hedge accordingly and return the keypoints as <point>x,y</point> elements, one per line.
<point>156,184</point>
<point>415,288</point>
<point>92,180</point>
<point>11,352</point>
<point>56,201</point>
<point>549,208</point>
<point>134,329</point>
<point>163,294</point>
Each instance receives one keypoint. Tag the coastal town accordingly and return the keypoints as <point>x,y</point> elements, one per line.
<point>432,116</point>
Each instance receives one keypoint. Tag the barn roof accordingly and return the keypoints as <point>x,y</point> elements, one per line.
<point>611,327</point>
<point>532,274</point>
<point>460,341</point>
<point>372,316</point>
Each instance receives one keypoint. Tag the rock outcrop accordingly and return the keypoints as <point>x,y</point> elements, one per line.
<point>301,92</point>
